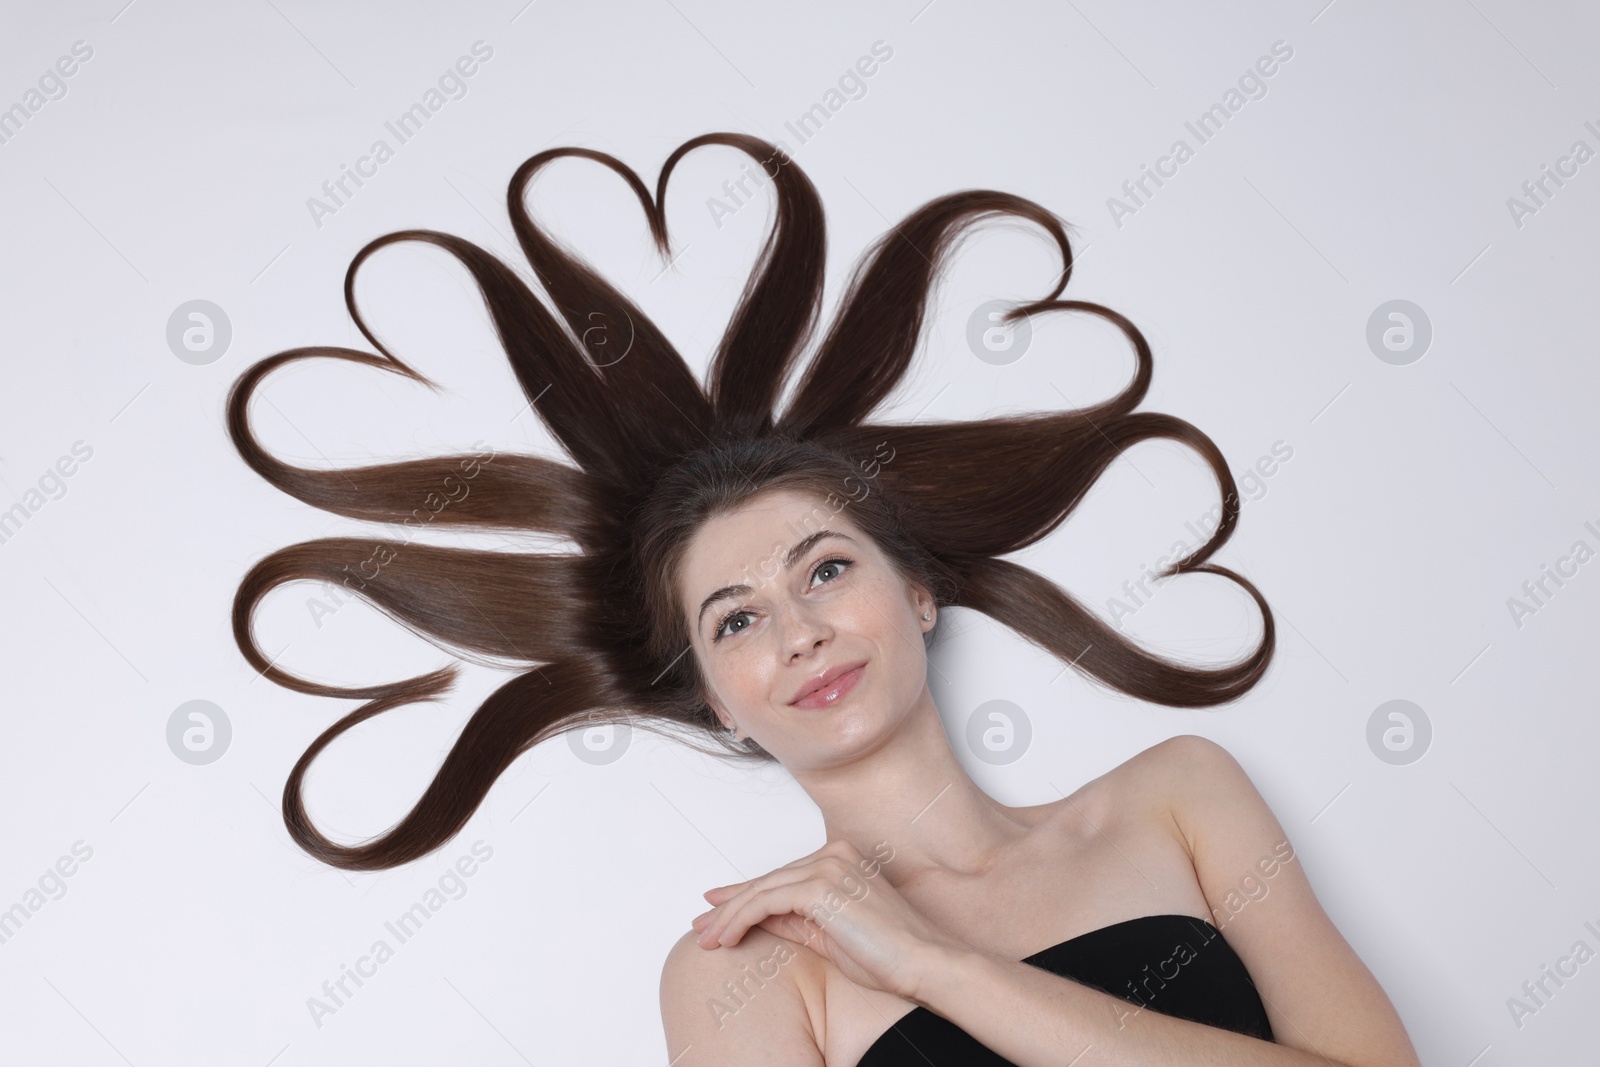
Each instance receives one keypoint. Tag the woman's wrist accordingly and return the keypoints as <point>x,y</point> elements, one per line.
<point>942,969</point>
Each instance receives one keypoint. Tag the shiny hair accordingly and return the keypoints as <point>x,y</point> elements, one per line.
<point>655,454</point>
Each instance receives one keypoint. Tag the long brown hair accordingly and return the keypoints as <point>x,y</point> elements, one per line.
<point>656,454</point>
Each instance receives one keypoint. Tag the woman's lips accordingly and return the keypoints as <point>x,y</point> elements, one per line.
<point>833,692</point>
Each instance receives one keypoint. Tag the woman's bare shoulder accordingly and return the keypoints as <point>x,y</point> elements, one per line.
<point>1139,789</point>
<point>1153,768</point>
<point>754,1002</point>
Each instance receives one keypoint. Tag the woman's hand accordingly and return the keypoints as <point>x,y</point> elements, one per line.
<point>836,903</point>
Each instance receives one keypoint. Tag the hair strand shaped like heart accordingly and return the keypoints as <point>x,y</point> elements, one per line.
<point>597,634</point>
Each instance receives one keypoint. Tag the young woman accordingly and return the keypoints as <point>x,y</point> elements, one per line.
<point>764,586</point>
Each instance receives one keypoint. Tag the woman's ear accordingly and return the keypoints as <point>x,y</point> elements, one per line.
<point>722,714</point>
<point>921,600</point>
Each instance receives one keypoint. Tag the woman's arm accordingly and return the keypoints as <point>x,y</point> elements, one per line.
<point>1324,1005</point>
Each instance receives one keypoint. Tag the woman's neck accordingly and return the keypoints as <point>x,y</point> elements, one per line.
<point>913,795</point>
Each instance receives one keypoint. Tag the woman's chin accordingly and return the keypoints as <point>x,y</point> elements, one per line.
<point>833,738</point>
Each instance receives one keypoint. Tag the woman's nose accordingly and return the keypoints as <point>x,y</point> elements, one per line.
<point>803,628</point>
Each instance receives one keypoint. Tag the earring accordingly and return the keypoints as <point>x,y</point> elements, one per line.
<point>926,616</point>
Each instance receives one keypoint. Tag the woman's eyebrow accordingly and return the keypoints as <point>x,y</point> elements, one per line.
<point>789,559</point>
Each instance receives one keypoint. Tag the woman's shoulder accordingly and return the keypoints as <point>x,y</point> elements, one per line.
<point>1161,766</point>
<point>756,1001</point>
<point>1141,789</point>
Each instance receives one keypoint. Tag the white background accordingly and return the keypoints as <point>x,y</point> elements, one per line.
<point>1417,501</point>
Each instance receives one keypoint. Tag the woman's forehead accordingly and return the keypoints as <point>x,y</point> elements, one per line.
<point>756,538</point>
<point>779,516</point>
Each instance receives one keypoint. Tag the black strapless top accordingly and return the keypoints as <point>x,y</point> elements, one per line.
<point>1175,964</point>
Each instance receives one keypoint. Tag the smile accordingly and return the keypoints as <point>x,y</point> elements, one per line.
<point>832,693</point>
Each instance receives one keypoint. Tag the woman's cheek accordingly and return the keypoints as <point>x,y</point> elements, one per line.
<point>753,684</point>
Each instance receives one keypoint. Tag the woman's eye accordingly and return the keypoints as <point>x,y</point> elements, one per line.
<point>830,564</point>
<point>722,627</point>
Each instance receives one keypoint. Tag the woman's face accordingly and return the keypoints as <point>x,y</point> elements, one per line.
<point>839,603</point>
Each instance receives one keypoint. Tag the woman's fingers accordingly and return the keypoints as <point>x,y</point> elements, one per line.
<point>802,902</point>
<point>840,849</point>
<point>792,928</point>
<point>735,895</point>
<point>791,898</point>
<point>716,920</point>
<point>838,869</point>
<point>823,884</point>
